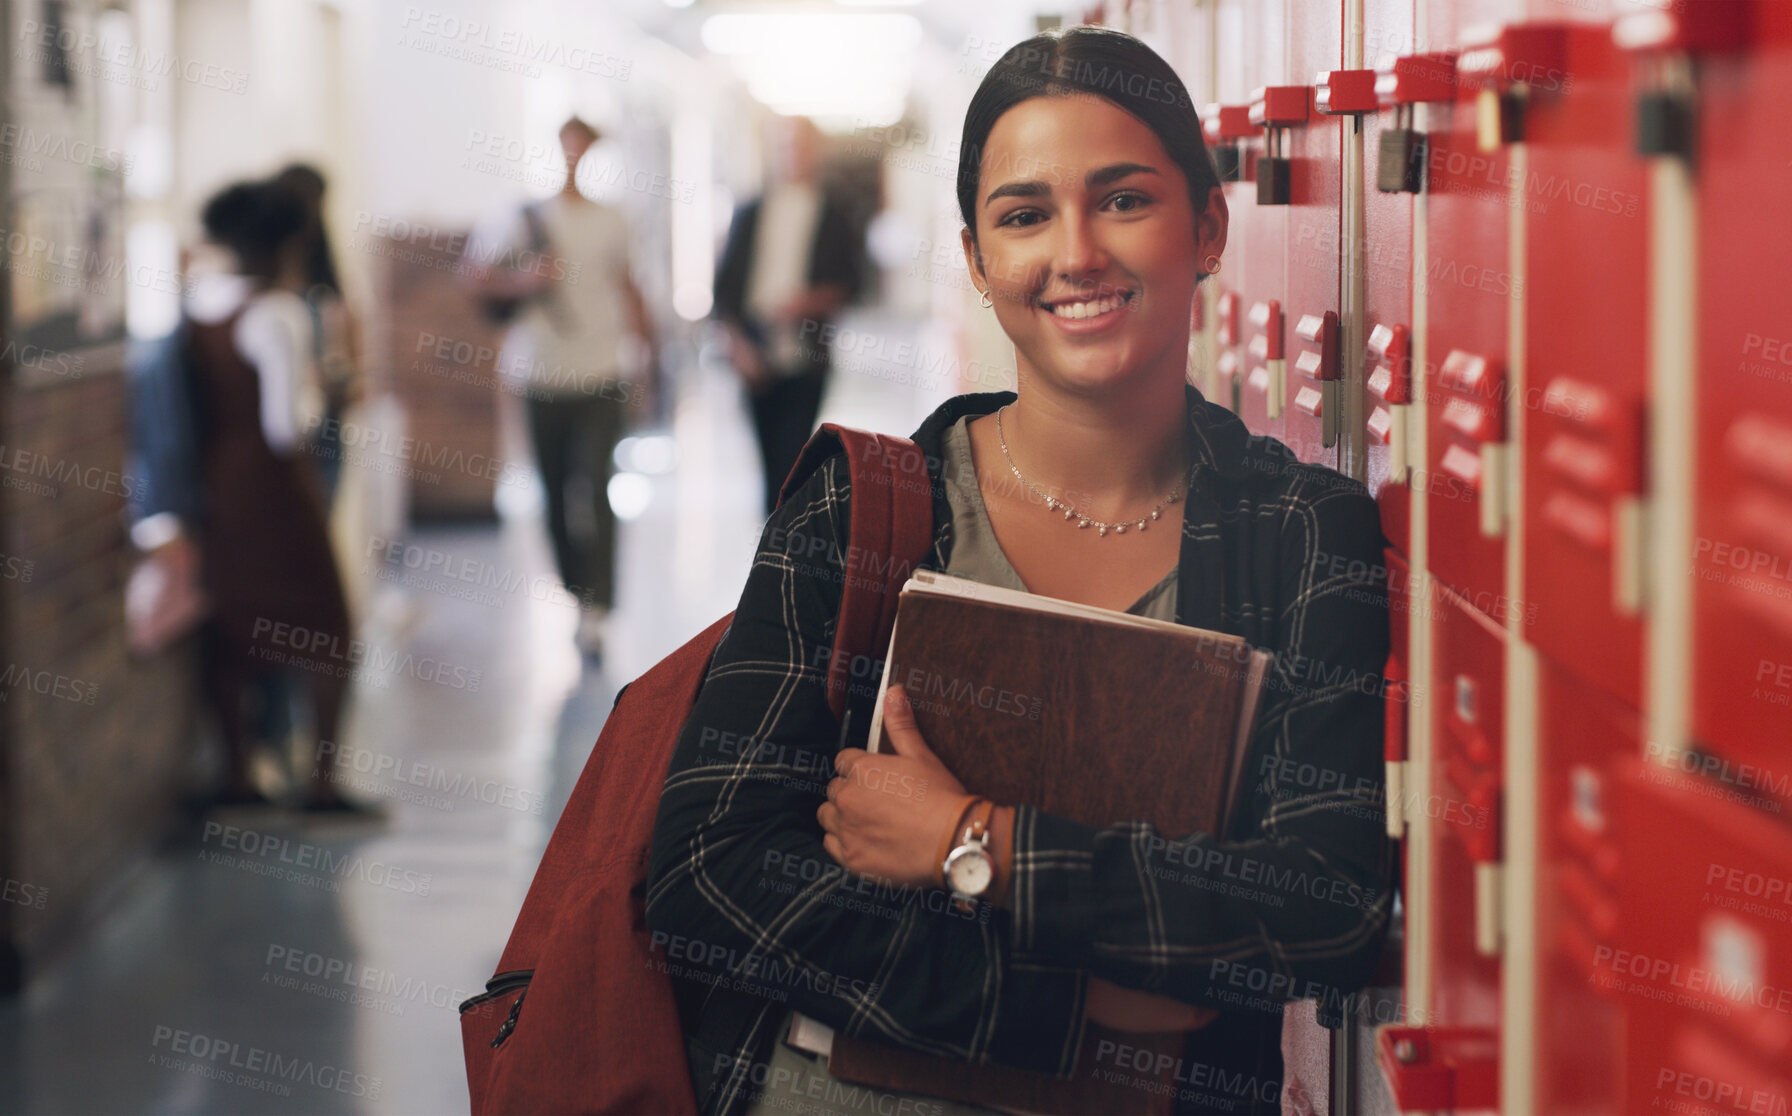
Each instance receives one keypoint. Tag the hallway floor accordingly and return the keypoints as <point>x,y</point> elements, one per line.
<point>265,962</point>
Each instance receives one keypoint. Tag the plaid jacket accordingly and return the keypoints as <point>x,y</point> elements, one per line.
<point>757,919</point>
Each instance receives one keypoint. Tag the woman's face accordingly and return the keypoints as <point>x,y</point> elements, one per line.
<point>1087,243</point>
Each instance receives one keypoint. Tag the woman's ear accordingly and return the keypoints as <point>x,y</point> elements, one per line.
<point>973,259</point>
<point>1210,226</point>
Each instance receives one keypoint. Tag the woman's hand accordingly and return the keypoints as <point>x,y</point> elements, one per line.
<point>887,811</point>
<point>1127,1009</point>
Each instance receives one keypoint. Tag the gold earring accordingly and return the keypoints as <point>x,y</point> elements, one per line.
<point>1212,264</point>
<point>986,301</point>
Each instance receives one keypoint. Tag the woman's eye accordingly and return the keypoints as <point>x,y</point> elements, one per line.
<point>1020,217</point>
<point>1127,203</point>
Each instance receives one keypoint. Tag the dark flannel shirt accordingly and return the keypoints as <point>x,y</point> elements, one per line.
<point>1292,903</point>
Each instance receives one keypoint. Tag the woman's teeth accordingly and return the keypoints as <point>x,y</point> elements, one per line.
<point>1091,309</point>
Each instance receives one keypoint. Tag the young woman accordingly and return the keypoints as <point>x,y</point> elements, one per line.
<point>1092,212</point>
<point>265,552</point>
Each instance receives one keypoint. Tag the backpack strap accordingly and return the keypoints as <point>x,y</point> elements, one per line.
<point>890,533</point>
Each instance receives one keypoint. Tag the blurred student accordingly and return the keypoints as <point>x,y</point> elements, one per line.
<point>790,264</point>
<point>310,271</point>
<point>580,350</point>
<point>266,563</point>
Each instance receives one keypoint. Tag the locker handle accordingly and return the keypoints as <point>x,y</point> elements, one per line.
<point>1281,106</point>
<point>1580,519</point>
<point>1487,909</point>
<point>1267,317</point>
<point>1501,56</point>
<point>1393,745</point>
<point>1227,312</point>
<point>1585,463</point>
<point>1391,349</point>
<point>1310,400</point>
<point>1710,25</point>
<point>1763,447</point>
<point>1582,403</point>
<point>1463,464</point>
<point>1415,78</point>
<point>1228,122</point>
<point>1381,426</point>
<point>1344,92</point>
<point>1475,421</point>
<point>1320,330</point>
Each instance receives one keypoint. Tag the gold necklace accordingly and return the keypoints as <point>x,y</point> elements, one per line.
<point>1052,503</point>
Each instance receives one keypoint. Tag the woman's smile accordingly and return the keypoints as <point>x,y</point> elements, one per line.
<point>1081,316</point>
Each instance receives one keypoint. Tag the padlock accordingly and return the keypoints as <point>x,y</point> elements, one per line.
<point>1400,160</point>
<point>1272,180</point>
<point>1664,124</point>
<point>1227,162</point>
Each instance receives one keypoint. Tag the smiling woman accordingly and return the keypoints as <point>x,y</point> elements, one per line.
<point>1092,212</point>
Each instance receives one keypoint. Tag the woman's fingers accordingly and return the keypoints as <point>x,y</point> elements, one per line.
<point>899,727</point>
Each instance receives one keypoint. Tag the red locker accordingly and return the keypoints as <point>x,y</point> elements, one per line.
<point>1229,133</point>
<point>1742,705</point>
<point>1256,266</point>
<point>1470,292</point>
<point>1463,808</point>
<point>1587,741</point>
<point>1387,284</point>
<point>1704,968</point>
<point>1312,374</point>
<point>1586,298</point>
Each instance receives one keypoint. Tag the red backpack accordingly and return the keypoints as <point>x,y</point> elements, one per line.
<point>601,1033</point>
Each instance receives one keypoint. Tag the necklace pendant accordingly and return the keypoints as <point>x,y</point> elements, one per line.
<point>1082,523</point>
<point>1069,513</point>
<point>1104,530</point>
<point>1119,528</point>
<point>1141,525</point>
<point>1155,513</point>
<point>1051,503</point>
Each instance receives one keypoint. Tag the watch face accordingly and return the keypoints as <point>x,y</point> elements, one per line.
<point>969,871</point>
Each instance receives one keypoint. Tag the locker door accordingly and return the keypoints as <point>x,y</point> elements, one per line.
<point>1314,372</point>
<point>1469,289</point>
<point>1229,133</point>
<point>1462,809</point>
<point>1703,965</point>
<point>1742,604</point>
<point>1387,288</point>
<point>1254,36</point>
<point>1586,292</point>
<point>1588,740</point>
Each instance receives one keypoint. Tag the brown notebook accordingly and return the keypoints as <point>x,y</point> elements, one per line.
<point>1091,714</point>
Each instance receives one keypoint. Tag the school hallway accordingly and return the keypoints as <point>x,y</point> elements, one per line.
<point>267,962</point>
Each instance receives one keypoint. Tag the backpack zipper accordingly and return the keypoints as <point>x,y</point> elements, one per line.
<point>509,1023</point>
<point>498,986</point>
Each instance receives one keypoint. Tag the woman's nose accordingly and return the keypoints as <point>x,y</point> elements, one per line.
<point>1077,250</point>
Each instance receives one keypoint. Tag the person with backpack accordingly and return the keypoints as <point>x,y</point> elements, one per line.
<point>1092,212</point>
<point>580,349</point>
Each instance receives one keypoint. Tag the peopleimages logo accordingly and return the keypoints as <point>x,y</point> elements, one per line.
<point>264,1070</point>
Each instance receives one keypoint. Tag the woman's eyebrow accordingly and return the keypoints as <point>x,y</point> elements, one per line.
<point>1033,187</point>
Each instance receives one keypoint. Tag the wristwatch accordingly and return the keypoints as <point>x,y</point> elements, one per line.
<point>970,869</point>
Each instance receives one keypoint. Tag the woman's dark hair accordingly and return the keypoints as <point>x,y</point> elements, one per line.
<point>256,221</point>
<point>1097,61</point>
<point>308,183</point>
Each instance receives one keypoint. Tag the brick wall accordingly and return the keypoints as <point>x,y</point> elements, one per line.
<point>92,739</point>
